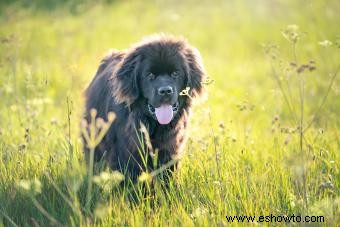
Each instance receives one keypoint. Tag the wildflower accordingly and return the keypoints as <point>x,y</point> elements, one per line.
<point>93,113</point>
<point>105,177</point>
<point>102,211</point>
<point>31,186</point>
<point>99,122</point>
<point>326,185</point>
<point>293,64</point>
<point>111,117</point>
<point>21,147</point>
<point>301,69</point>
<point>198,212</point>
<point>218,183</point>
<point>54,121</point>
<point>291,33</point>
<point>311,68</point>
<point>145,177</point>
<point>208,81</point>
<point>325,43</point>
<point>95,131</point>
<point>185,92</point>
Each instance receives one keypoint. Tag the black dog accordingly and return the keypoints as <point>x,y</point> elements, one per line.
<point>143,85</point>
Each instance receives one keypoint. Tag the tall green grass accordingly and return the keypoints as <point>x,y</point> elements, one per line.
<point>265,142</point>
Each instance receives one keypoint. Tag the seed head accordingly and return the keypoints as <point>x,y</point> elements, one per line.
<point>111,117</point>
<point>99,122</point>
<point>93,113</point>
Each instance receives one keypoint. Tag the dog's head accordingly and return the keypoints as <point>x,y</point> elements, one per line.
<point>157,70</point>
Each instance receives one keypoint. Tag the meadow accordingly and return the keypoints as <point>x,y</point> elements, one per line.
<point>266,141</point>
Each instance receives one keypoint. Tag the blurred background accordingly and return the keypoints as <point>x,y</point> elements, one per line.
<point>62,42</point>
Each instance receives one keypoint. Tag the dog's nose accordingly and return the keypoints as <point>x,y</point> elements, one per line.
<point>166,90</point>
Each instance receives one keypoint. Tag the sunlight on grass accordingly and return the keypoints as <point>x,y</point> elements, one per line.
<point>266,141</point>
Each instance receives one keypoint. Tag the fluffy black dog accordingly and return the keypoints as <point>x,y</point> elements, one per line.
<point>142,85</point>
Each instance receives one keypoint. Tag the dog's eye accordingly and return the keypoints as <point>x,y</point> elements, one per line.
<point>151,76</point>
<point>174,74</point>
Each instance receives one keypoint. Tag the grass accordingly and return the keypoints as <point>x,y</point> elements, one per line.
<point>265,142</point>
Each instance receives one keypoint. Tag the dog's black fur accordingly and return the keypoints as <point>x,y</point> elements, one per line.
<point>126,83</point>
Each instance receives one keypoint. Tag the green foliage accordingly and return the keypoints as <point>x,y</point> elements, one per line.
<point>244,151</point>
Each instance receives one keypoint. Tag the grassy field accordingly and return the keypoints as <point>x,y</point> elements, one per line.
<point>266,141</point>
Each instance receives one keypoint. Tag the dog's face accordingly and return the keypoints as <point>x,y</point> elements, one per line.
<point>162,78</point>
<point>157,71</point>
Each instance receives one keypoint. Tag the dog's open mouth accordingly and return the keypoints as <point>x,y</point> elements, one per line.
<point>164,113</point>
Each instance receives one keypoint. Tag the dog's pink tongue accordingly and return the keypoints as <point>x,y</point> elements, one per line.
<point>164,114</point>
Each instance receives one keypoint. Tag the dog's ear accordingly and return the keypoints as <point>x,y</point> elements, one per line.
<point>125,80</point>
<point>196,72</point>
